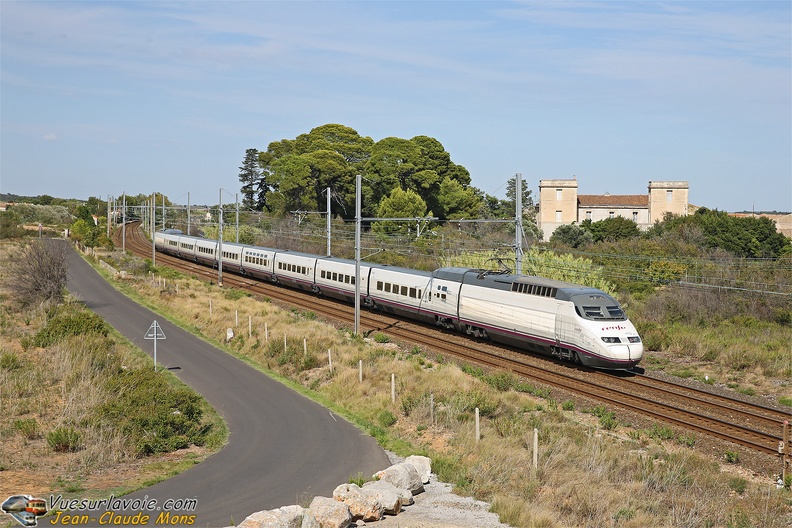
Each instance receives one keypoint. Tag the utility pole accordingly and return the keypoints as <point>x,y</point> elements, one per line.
<point>123,225</point>
<point>328,222</point>
<point>518,225</point>
<point>357,254</point>
<point>154,225</point>
<point>220,243</point>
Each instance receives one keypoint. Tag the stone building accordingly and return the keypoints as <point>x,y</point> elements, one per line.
<point>560,204</point>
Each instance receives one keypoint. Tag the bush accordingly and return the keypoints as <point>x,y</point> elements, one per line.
<point>27,427</point>
<point>386,418</point>
<point>154,416</point>
<point>66,321</point>
<point>39,272</point>
<point>64,439</point>
<point>9,361</point>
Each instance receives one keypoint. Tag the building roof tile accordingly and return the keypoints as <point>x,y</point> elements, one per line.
<point>613,200</point>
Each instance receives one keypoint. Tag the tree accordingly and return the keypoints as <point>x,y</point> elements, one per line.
<point>335,154</point>
<point>610,229</point>
<point>571,235</point>
<point>751,237</point>
<point>39,273</point>
<point>250,176</point>
<point>399,204</point>
<point>456,201</point>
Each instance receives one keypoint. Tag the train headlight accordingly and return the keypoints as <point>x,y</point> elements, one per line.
<point>634,339</point>
<point>611,339</point>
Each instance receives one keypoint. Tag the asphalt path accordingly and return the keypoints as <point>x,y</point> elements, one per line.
<point>283,448</point>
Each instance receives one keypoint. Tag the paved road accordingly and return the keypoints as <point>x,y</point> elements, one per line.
<point>283,448</point>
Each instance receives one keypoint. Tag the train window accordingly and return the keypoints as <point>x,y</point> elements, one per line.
<point>593,312</point>
<point>352,280</point>
<point>413,292</point>
<point>404,290</point>
<point>387,287</point>
<point>347,279</point>
<point>335,276</point>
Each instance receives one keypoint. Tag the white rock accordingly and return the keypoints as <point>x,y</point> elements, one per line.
<point>388,495</point>
<point>362,505</point>
<point>327,513</point>
<point>422,464</point>
<point>402,476</point>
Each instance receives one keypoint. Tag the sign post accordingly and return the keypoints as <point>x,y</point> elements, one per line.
<point>155,332</point>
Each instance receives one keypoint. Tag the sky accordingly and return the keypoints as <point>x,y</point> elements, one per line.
<point>104,98</point>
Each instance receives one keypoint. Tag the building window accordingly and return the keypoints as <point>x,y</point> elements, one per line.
<point>635,216</point>
<point>558,216</point>
<point>611,214</point>
<point>588,215</point>
<point>559,193</point>
<point>669,195</point>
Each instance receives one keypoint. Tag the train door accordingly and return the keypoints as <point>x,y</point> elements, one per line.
<point>560,327</point>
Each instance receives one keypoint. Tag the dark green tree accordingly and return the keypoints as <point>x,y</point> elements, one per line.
<point>250,177</point>
<point>399,204</point>
<point>610,229</point>
<point>571,235</point>
<point>751,237</point>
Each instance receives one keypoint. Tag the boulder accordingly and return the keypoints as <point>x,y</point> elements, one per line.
<point>285,517</point>
<point>362,505</point>
<point>325,512</point>
<point>422,464</point>
<point>390,497</point>
<point>403,476</point>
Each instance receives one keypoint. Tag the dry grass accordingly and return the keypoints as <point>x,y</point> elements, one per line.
<point>60,387</point>
<point>586,476</point>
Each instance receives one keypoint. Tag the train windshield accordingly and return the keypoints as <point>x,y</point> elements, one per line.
<point>598,307</point>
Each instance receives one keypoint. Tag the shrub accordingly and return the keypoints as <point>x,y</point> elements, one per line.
<point>154,416</point>
<point>27,427</point>
<point>732,457</point>
<point>386,418</point>
<point>65,321</point>
<point>738,484</point>
<point>501,381</point>
<point>64,439</point>
<point>381,338</point>
<point>9,361</point>
<point>39,273</point>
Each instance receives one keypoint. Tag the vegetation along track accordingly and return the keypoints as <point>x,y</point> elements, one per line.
<point>752,425</point>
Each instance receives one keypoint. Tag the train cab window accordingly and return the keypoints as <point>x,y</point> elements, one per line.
<point>592,312</point>
<point>615,312</point>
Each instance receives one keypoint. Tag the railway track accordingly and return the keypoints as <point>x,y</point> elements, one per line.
<point>743,422</point>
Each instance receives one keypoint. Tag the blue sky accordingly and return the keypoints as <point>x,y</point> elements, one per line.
<point>101,98</point>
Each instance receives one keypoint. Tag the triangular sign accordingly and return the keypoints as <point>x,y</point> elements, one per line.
<point>154,332</point>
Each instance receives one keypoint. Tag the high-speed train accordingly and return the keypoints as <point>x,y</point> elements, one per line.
<point>569,321</point>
